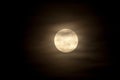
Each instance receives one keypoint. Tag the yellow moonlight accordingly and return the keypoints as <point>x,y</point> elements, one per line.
<point>66,40</point>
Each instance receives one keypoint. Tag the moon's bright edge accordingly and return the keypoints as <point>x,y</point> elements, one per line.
<point>66,40</point>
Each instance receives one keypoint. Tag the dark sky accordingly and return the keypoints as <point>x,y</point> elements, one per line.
<point>25,17</point>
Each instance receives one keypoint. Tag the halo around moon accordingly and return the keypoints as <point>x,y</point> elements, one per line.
<point>66,40</point>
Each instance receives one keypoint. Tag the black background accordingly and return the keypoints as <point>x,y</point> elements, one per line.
<point>22,11</point>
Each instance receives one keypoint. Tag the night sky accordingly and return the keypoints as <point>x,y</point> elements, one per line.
<point>33,18</point>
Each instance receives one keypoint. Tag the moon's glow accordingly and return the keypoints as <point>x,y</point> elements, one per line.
<point>66,40</point>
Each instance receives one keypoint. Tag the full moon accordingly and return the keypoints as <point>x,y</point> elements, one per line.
<point>66,40</point>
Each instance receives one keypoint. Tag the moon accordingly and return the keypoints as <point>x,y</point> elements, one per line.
<point>66,40</point>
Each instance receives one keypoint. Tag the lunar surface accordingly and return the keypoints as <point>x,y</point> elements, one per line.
<point>66,40</point>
